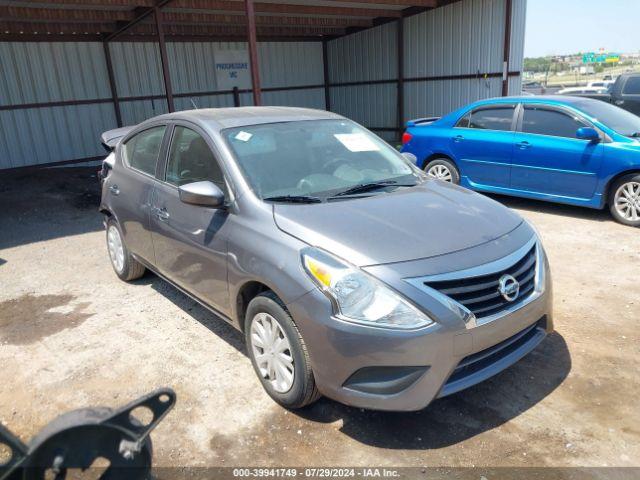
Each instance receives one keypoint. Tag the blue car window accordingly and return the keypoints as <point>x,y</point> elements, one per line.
<point>497,118</point>
<point>622,121</point>
<point>464,121</point>
<point>544,121</point>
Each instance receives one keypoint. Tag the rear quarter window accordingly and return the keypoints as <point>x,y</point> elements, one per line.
<point>494,118</point>
<point>142,150</point>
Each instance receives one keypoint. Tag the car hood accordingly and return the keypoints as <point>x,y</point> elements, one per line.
<point>434,218</point>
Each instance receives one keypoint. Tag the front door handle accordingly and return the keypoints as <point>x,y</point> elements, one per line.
<point>523,145</point>
<point>114,189</point>
<point>162,214</point>
<point>458,138</point>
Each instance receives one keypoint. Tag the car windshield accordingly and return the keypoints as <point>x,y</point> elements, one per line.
<point>315,159</point>
<point>622,121</point>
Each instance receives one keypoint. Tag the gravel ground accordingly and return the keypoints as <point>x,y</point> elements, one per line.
<point>73,335</point>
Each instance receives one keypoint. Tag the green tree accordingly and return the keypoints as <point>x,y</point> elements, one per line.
<point>537,65</point>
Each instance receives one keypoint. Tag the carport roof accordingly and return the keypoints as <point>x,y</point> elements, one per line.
<point>189,20</point>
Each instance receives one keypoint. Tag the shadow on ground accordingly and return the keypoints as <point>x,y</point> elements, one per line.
<point>550,208</point>
<point>44,204</point>
<point>208,319</point>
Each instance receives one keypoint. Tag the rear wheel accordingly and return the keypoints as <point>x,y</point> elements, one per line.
<point>125,266</point>
<point>624,201</point>
<point>443,169</point>
<point>278,352</point>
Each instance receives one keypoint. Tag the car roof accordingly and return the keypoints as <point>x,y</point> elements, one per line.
<point>221,118</point>
<point>550,99</point>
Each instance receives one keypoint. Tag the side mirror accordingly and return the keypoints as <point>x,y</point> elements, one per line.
<point>588,133</point>
<point>411,157</point>
<point>205,194</point>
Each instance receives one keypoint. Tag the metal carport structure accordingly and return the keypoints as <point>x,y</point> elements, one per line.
<point>71,69</point>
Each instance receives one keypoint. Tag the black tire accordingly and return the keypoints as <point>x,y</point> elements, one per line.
<point>619,217</point>
<point>131,269</point>
<point>303,390</point>
<point>445,162</point>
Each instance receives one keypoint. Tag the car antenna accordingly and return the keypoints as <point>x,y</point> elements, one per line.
<point>195,107</point>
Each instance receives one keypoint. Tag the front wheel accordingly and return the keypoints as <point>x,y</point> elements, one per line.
<point>624,202</point>
<point>278,352</point>
<point>443,169</point>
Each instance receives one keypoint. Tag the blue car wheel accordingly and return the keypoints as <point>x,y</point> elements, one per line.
<point>443,169</point>
<point>624,202</point>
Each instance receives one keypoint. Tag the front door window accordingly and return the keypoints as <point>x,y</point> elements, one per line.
<point>191,160</point>
<point>543,121</point>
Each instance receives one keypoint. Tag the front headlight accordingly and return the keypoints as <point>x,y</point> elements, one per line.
<point>357,296</point>
<point>541,261</point>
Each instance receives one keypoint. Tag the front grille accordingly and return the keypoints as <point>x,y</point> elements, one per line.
<point>480,294</point>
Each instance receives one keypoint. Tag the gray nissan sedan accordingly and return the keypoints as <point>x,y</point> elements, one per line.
<point>351,273</point>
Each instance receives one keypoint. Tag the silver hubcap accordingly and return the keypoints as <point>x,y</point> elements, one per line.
<point>116,250</point>
<point>627,201</point>
<point>272,352</point>
<point>440,172</point>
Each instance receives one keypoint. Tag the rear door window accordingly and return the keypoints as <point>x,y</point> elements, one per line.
<point>632,87</point>
<point>495,118</point>
<point>550,122</point>
<point>142,150</point>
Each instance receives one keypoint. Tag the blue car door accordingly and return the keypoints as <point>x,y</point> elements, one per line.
<point>548,158</point>
<point>482,144</point>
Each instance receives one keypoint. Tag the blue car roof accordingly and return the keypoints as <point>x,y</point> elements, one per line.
<point>578,103</point>
<point>550,99</point>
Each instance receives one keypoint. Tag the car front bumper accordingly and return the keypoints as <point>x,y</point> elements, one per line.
<point>383,369</point>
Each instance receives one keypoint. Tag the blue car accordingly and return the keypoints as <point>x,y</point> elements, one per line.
<point>570,150</point>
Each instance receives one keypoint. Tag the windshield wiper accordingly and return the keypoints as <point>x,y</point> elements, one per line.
<point>366,187</point>
<point>293,199</point>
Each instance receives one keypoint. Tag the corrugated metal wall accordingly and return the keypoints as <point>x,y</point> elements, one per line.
<point>43,72</point>
<point>516,57</point>
<point>464,38</point>
<point>370,55</point>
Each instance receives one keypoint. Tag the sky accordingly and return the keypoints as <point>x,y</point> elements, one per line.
<point>571,26</point>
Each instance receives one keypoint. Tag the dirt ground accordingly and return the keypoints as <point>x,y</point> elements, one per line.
<point>73,335</point>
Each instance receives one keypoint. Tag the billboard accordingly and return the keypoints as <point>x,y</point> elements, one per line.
<point>600,57</point>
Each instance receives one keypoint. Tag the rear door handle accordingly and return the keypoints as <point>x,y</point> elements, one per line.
<point>458,138</point>
<point>523,145</point>
<point>114,189</point>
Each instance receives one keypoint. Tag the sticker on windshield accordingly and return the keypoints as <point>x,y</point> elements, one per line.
<point>243,136</point>
<point>357,142</point>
